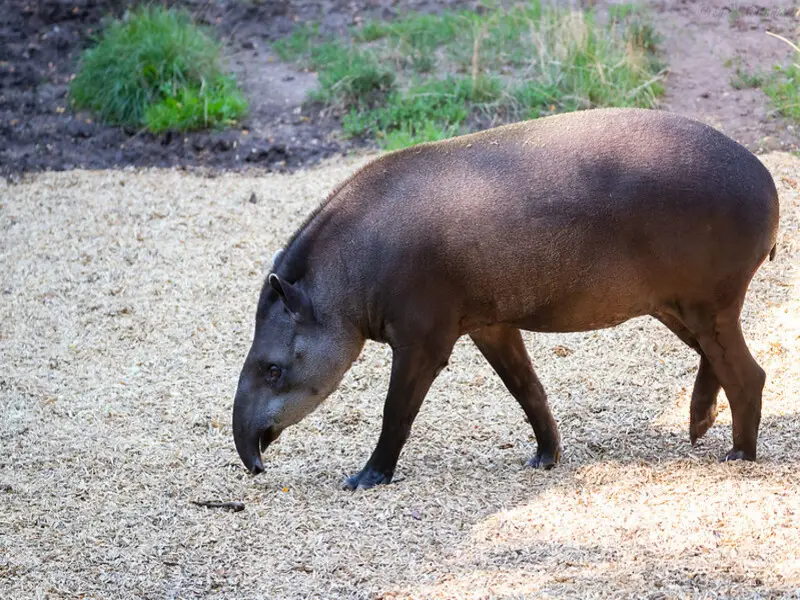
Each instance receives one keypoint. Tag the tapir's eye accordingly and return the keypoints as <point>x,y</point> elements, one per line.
<point>273,374</point>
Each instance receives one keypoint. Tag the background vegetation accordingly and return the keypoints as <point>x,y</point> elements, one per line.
<point>784,86</point>
<point>155,68</point>
<point>385,80</point>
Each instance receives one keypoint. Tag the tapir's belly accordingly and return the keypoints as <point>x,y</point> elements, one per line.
<point>587,280</point>
<point>579,305</point>
<point>579,315</point>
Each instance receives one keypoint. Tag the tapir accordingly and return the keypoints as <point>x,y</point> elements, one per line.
<point>567,223</point>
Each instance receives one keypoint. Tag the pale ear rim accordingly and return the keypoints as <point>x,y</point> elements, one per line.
<point>275,283</point>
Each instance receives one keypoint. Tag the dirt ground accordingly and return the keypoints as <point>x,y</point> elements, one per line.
<point>42,40</point>
<point>704,43</point>
<point>128,300</point>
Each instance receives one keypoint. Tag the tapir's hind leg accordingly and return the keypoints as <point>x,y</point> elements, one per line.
<point>703,411</point>
<point>720,337</point>
<point>504,349</point>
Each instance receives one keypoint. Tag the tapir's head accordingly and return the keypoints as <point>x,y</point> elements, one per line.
<point>297,359</point>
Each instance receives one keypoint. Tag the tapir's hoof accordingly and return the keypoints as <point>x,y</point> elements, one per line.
<point>698,428</point>
<point>737,455</point>
<point>545,460</point>
<point>365,479</point>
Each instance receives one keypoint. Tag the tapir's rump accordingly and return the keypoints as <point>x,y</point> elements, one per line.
<point>567,223</point>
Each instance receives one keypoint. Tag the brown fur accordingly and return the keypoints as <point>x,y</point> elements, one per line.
<point>568,223</point>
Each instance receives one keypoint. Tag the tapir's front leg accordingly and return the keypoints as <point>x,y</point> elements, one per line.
<point>413,370</point>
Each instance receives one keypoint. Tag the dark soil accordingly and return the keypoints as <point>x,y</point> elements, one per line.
<point>42,40</point>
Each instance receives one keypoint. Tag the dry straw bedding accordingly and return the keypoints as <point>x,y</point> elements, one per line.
<point>126,308</point>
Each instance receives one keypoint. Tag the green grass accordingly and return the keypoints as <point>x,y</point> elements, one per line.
<point>782,85</point>
<point>299,43</point>
<point>620,12</point>
<point>427,111</point>
<point>426,77</point>
<point>156,69</point>
<point>743,79</point>
<point>783,88</point>
<point>350,76</point>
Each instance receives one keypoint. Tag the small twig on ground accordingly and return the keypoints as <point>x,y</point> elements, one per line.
<point>231,506</point>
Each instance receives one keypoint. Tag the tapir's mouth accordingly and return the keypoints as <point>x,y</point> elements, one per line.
<point>270,435</point>
<point>255,465</point>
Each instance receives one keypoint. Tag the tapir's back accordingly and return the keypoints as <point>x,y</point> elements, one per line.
<point>620,203</point>
<point>581,163</point>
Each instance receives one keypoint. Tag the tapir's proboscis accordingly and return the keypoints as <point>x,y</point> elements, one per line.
<point>568,223</point>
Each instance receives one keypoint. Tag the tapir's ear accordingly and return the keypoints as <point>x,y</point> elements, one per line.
<point>295,299</point>
<point>276,257</point>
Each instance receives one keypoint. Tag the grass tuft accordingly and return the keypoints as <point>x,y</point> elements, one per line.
<point>784,90</point>
<point>387,80</point>
<point>156,69</point>
<point>784,86</point>
<point>298,44</point>
<point>743,79</point>
<point>350,77</point>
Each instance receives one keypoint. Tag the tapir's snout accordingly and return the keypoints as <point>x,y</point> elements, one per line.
<point>251,433</point>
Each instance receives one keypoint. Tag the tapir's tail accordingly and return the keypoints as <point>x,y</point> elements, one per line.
<point>773,252</point>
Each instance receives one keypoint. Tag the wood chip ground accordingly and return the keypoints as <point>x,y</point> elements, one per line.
<point>126,308</point>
